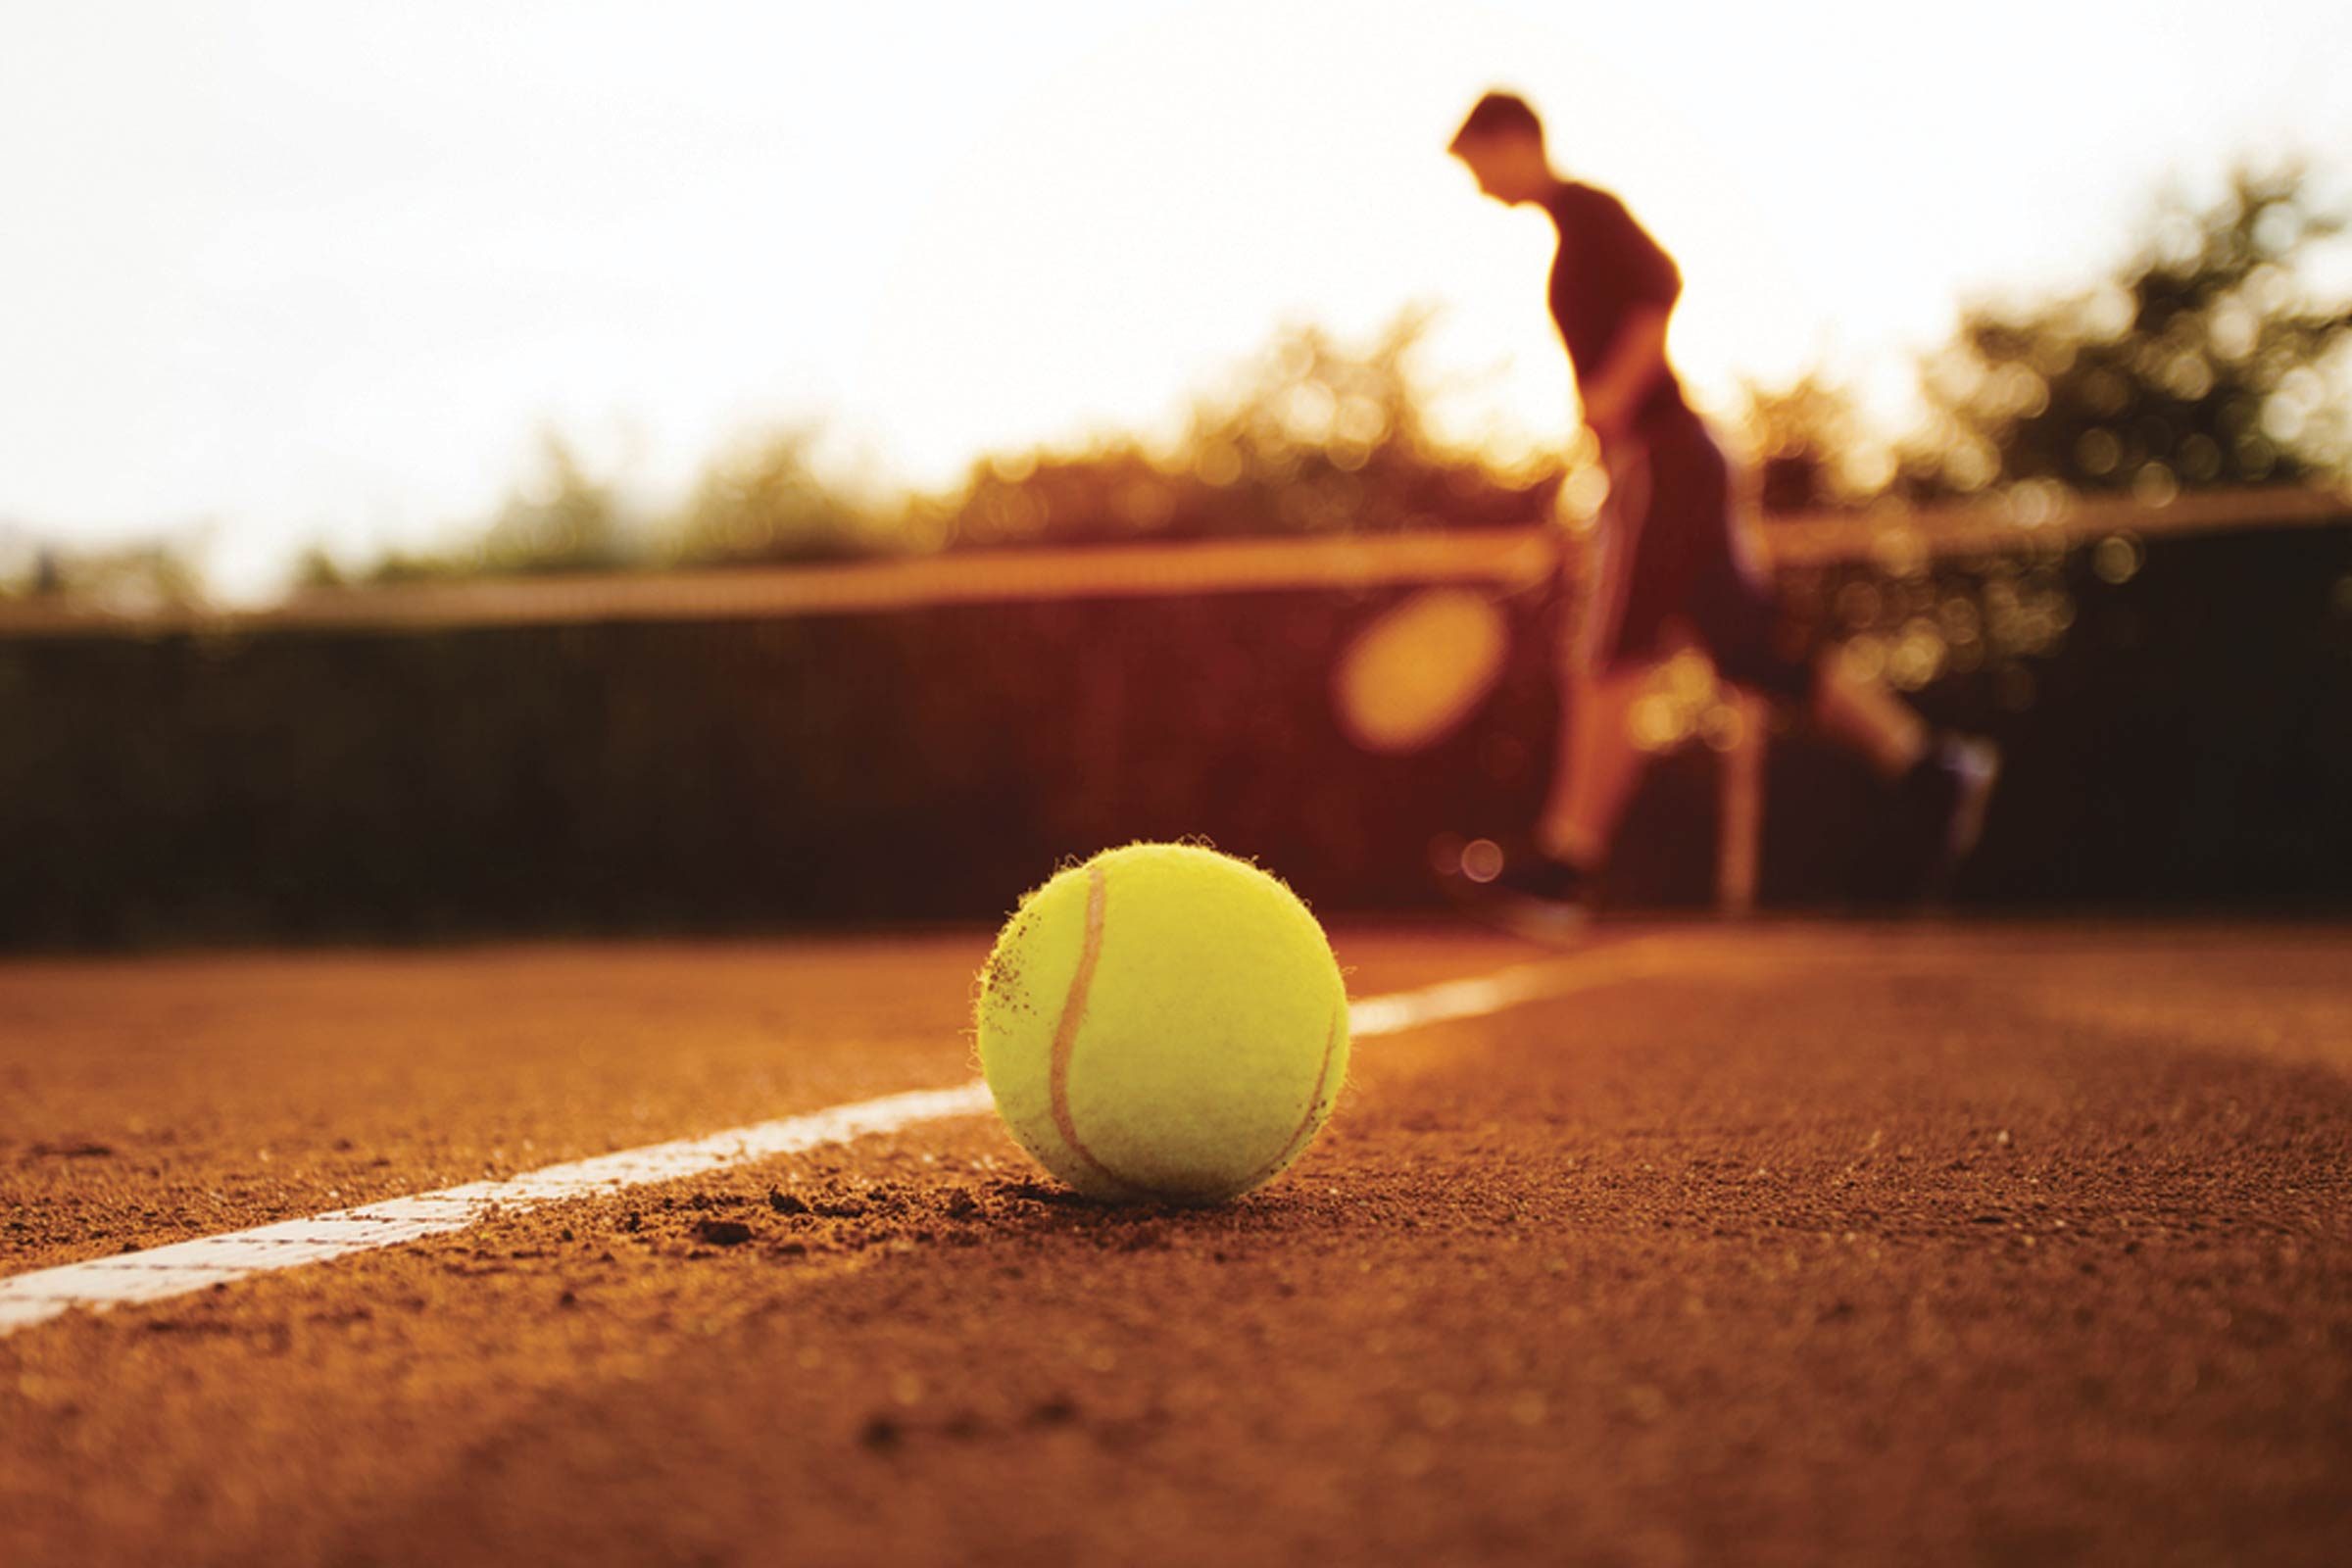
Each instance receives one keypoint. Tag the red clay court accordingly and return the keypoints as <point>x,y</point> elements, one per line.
<point>564,567</point>
<point>1787,1243</point>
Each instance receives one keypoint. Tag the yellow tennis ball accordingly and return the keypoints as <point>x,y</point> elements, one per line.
<point>1164,1023</point>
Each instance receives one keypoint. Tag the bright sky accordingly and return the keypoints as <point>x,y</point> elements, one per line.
<point>300,270</point>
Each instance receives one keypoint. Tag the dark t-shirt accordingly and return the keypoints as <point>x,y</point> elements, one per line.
<point>1605,266</point>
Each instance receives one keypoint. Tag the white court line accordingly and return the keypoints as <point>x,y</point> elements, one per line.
<point>187,1266</point>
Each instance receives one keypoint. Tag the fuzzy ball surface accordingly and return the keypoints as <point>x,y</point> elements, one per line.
<point>1164,1023</point>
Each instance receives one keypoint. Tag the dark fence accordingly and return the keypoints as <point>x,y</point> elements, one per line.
<point>2177,709</point>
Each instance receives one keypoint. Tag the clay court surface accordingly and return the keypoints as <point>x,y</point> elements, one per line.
<point>1768,1244</point>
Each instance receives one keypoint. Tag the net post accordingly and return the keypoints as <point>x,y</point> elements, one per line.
<point>1740,807</point>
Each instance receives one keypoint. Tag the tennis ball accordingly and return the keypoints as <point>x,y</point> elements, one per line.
<point>1164,1023</point>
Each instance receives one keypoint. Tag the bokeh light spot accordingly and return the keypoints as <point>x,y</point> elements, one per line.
<point>2117,557</point>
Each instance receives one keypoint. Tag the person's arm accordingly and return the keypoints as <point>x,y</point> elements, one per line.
<point>1636,358</point>
<point>1637,353</point>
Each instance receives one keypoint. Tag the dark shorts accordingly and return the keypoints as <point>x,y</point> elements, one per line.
<point>1672,567</point>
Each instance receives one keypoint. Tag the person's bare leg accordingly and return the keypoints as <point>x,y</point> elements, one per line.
<point>1863,716</point>
<point>1597,769</point>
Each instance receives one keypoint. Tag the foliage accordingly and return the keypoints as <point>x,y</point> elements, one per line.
<point>764,501</point>
<point>127,579</point>
<point>1809,446</point>
<point>1315,438</point>
<point>561,519</point>
<point>2201,364</point>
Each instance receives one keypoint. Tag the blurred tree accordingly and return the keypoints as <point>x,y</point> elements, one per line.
<point>1314,438</point>
<point>128,579</point>
<point>561,519</point>
<point>765,501</point>
<point>2202,362</point>
<point>1809,447</point>
<point>317,569</point>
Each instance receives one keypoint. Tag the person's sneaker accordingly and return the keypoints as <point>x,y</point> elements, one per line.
<point>1953,785</point>
<point>1523,889</point>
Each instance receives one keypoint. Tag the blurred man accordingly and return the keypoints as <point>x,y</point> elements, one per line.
<point>1674,567</point>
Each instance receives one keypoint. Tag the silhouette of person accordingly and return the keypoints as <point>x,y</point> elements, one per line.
<point>1674,564</point>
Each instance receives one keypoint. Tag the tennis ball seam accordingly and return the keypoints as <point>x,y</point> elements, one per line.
<point>1065,1033</point>
<point>1313,1120</point>
<point>1065,1043</point>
